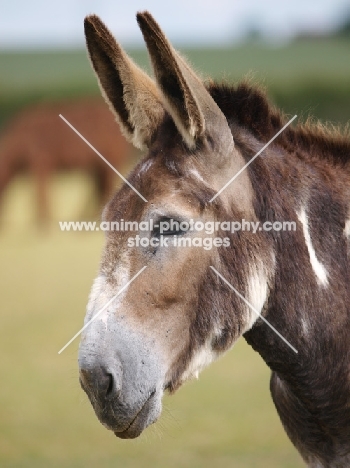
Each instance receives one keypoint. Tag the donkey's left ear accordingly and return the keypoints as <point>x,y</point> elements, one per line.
<point>193,110</point>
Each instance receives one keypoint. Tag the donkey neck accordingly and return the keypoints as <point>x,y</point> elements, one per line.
<point>309,294</point>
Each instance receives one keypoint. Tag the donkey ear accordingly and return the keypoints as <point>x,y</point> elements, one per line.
<point>193,110</point>
<point>131,94</point>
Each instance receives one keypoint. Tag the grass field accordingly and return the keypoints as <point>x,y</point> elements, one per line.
<point>224,419</point>
<point>306,76</point>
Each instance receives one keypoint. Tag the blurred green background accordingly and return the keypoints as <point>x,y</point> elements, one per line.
<point>227,417</point>
<point>306,76</point>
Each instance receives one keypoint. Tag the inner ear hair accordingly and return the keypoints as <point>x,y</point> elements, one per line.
<point>131,94</point>
<point>102,47</point>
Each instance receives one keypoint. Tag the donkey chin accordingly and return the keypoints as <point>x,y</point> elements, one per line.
<point>127,422</point>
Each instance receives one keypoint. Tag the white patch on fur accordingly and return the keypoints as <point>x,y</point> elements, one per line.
<point>145,166</point>
<point>318,268</point>
<point>98,286</point>
<point>197,175</point>
<point>305,326</point>
<point>201,359</point>
<point>347,228</point>
<point>257,295</point>
<point>102,292</point>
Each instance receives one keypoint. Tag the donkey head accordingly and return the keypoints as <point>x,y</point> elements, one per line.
<point>176,317</point>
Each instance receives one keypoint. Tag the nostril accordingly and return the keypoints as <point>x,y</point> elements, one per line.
<point>105,382</point>
<point>111,385</point>
<point>100,381</point>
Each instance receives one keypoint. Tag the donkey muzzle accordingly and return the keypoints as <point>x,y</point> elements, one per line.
<point>123,380</point>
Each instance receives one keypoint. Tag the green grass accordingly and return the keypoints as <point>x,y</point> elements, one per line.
<point>322,59</point>
<point>224,419</point>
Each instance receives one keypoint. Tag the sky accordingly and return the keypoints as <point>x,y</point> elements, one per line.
<point>59,23</point>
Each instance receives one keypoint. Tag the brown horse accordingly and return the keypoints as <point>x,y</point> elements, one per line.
<point>149,330</point>
<point>40,143</point>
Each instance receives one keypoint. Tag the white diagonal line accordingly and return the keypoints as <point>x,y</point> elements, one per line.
<point>253,158</point>
<point>254,310</point>
<point>101,310</point>
<point>104,159</point>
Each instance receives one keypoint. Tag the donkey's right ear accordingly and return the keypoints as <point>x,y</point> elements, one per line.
<point>131,93</point>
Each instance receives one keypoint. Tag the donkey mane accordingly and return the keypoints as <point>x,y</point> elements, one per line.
<point>250,113</point>
<point>248,106</point>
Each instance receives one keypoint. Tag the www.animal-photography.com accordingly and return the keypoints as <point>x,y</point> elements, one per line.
<point>175,225</point>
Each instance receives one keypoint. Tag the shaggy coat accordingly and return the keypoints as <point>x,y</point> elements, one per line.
<point>178,315</point>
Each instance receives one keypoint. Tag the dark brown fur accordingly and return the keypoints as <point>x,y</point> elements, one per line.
<point>311,390</point>
<point>297,165</point>
<point>305,168</point>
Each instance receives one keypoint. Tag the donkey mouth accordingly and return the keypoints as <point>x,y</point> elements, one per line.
<point>147,415</point>
<point>113,415</point>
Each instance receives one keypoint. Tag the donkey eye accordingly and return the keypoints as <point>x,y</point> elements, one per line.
<point>169,227</point>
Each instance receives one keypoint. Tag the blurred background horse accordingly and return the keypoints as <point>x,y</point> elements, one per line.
<point>38,142</point>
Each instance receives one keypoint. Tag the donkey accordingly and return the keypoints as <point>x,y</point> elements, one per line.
<point>165,314</point>
<point>38,142</point>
